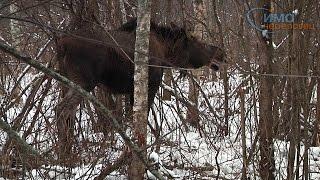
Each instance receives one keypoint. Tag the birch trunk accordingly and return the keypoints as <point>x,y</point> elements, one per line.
<point>140,106</point>
<point>14,27</point>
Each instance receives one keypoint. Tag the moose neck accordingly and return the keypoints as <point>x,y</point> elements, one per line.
<point>173,39</point>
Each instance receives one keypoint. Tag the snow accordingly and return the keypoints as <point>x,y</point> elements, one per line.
<point>154,158</point>
<point>182,150</point>
<point>157,163</point>
<point>265,34</point>
<point>2,39</point>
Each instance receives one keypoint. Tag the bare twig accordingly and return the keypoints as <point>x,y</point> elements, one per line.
<point>82,92</point>
<point>26,148</point>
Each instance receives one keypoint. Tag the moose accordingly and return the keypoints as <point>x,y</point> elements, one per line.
<point>106,58</point>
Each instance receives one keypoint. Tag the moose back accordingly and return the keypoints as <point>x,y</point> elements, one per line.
<point>107,57</point>
<point>90,56</point>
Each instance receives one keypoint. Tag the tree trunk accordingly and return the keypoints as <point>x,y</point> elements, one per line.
<point>123,11</point>
<point>166,95</point>
<point>267,164</point>
<point>243,134</point>
<point>140,106</point>
<point>316,133</point>
<point>296,66</point>
<point>167,77</point>
<point>193,114</point>
<point>224,73</point>
<point>14,28</point>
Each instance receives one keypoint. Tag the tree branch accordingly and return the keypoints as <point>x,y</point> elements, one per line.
<point>26,148</point>
<point>78,89</point>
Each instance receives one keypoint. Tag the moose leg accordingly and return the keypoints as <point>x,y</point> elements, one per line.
<point>65,119</point>
<point>155,77</point>
<point>152,94</point>
<point>152,90</point>
<point>154,81</point>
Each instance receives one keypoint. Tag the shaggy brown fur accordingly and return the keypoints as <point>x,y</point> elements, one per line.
<point>89,62</point>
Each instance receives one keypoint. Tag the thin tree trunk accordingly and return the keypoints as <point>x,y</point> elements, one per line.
<point>306,89</point>
<point>224,73</point>
<point>167,77</point>
<point>14,27</point>
<point>316,131</point>
<point>243,135</point>
<point>123,11</point>
<point>316,134</point>
<point>166,95</point>
<point>140,107</point>
<point>296,64</point>
<point>267,164</point>
<point>15,33</point>
<point>192,114</point>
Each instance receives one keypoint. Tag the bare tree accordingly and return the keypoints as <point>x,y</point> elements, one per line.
<point>140,106</point>
<point>267,166</point>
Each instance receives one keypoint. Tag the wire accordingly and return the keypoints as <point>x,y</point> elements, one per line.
<point>282,75</point>
<point>156,58</point>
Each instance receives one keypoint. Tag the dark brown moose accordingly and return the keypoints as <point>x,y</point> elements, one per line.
<point>97,59</point>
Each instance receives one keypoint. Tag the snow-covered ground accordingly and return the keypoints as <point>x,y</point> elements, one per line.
<point>185,153</point>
